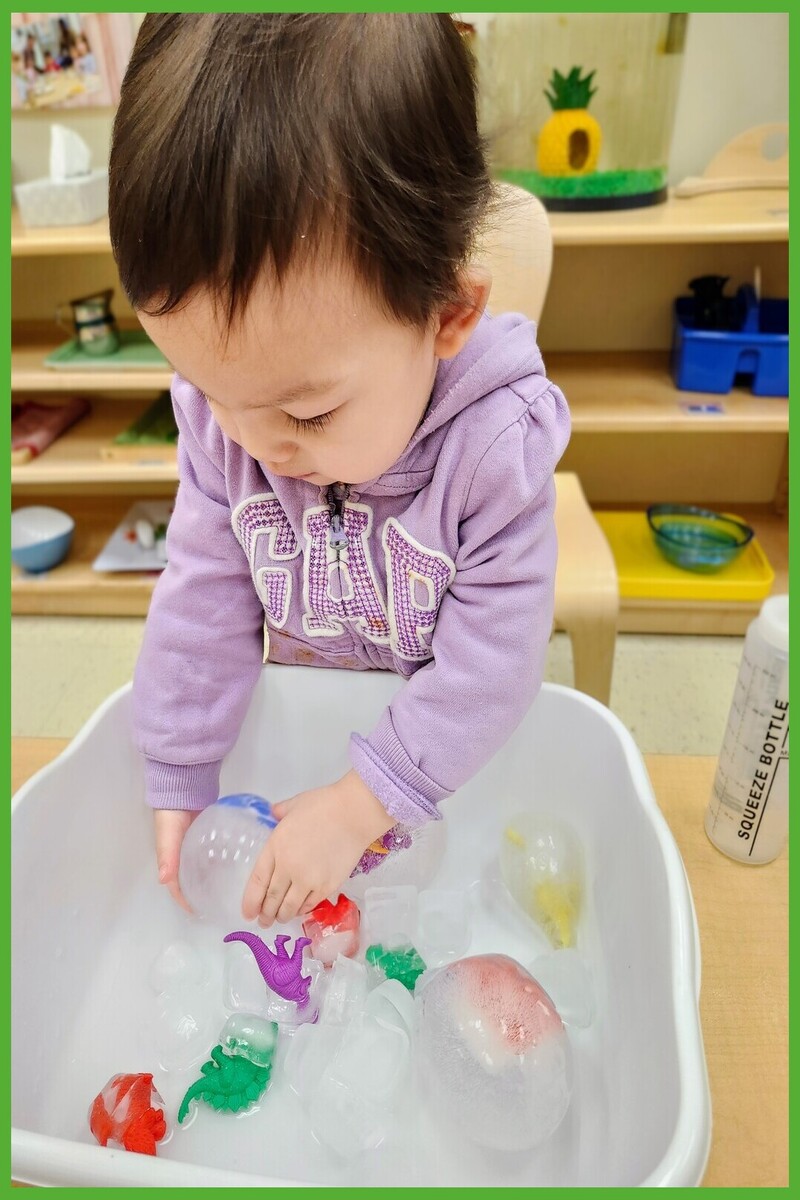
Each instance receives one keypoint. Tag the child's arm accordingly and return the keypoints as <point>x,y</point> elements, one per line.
<point>492,631</point>
<point>202,650</point>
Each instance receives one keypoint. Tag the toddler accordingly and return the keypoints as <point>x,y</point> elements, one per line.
<point>366,457</point>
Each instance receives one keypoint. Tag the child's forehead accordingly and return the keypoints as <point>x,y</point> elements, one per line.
<point>318,295</point>
<point>313,328</point>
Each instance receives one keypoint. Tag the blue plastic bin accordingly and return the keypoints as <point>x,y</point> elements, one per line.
<point>756,344</point>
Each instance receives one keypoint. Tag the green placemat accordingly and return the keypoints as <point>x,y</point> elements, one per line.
<point>155,426</point>
<point>136,353</point>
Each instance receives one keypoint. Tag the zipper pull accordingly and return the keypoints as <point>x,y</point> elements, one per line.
<point>337,495</point>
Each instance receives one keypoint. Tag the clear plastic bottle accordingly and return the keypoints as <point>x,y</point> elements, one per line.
<point>748,815</point>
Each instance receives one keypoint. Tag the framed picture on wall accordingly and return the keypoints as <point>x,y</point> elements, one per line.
<point>69,60</point>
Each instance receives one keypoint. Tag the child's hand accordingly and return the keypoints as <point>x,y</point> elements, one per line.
<point>320,837</point>
<point>171,825</point>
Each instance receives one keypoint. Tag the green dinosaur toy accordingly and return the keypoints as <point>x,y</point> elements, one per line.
<point>229,1083</point>
<point>404,964</point>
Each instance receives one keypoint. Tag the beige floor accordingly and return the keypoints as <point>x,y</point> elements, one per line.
<point>672,693</point>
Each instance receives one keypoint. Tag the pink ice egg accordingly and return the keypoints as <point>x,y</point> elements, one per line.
<point>493,1052</point>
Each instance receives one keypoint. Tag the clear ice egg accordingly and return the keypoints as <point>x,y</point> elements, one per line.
<point>541,862</point>
<point>218,854</point>
<point>492,1052</point>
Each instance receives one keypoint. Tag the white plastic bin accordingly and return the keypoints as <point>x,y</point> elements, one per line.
<point>88,918</point>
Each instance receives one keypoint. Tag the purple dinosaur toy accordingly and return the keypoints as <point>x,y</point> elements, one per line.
<point>282,973</point>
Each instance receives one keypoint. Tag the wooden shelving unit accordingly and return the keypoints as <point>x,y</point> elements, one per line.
<point>68,239</point>
<point>75,460</point>
<point>75,588</point>
<point>615,398</point>
<point>747,216</point>
<point>633,392</point>
<point>30,345</point>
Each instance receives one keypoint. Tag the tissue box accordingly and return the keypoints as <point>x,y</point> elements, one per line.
<point>77,201</point>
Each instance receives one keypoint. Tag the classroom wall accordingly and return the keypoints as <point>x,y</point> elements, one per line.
<point>736,74</point>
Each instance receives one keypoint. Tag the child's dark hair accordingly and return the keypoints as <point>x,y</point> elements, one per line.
<point>244,138</point>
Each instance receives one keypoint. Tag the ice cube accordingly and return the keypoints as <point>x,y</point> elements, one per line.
<point>345,1121</point>
<point>393,1004</point>
<point>444,925</point>
<point>333,929</point>
<point>185,1021</point>
<point>248,1036</point>
<point>309,1052</point>
<point>287,1013</point>
<point>178,963</point>
<point>350,1109</point>
<point>373,1058</point>
<point>345,992</point>
<point>243,987</point>
<point>565,977</point>
<point>391,914</point>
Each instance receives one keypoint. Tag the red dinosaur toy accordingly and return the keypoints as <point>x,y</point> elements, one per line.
<point>125,1113</point>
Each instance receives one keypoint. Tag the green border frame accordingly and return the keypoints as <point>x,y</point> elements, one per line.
<point>794,454</point>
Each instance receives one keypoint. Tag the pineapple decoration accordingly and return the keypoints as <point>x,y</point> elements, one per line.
<point>569,142</point>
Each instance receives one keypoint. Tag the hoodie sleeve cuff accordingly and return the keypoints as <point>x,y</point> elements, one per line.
<point>191,786</point>
<point>403,789</point>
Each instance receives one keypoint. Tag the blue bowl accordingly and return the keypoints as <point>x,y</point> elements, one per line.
<point>697,539</point>
<point>40,537</point>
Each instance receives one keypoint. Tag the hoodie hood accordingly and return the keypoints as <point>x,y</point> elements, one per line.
<point>502,352</point>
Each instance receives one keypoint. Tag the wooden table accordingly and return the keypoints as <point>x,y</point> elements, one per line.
<point>742,912</point>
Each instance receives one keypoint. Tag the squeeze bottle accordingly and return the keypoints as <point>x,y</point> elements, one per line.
<point>748,814</point>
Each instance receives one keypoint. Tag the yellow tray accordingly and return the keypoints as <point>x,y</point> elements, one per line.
<point>644,573</point>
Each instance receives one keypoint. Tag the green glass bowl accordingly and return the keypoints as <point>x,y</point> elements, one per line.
<point>697,539</point>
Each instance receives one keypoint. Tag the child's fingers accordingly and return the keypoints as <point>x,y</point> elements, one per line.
<point>293,903</point>
<point>168,847</point>
<point>169,830</point>
<point>178,896</point>
<point>276,893</point>
<point>310,903</point>
<point>280,809</point>
<point>258,884</point>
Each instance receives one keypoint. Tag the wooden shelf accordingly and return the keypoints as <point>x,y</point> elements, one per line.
<point>746,216</point>
<point>63,239</point>
<point>74,459</point>
<point>633,392</point>
<point>31,344</point>
<point>73,588</point>
<point>607,392</point>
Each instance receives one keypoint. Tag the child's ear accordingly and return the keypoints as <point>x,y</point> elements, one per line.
<point>457,321</point>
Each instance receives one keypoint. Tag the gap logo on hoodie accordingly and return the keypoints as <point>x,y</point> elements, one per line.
<point>340,587</point>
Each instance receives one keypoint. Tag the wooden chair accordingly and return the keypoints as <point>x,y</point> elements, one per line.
<point>519,253</point>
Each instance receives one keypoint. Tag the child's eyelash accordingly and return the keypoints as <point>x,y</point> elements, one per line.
<point>311,422</point>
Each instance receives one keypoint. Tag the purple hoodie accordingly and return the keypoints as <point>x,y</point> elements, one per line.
<point>442,570</point>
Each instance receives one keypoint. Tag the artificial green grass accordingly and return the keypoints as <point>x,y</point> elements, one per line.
<point>597,183</point>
